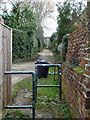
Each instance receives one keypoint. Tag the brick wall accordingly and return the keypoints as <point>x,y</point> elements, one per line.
<point>76,86</point>
<point>77,47</point>
<point>75,92</point>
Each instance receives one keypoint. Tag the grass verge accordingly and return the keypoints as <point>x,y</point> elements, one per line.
<point>21,85</point>
<point>47,99</point>
<point>16,115</point>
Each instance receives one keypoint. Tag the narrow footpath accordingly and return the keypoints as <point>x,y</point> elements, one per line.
<point>23,96</point>
<point>30,66</point>
<point>46,106</point>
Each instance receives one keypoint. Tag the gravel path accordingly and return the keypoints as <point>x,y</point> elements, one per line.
<point>30,66</point>
<point>22,98</point>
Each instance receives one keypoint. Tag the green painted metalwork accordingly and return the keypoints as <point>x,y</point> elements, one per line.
<point>36,80</point>
<point>48,65</point>
<point>19,72</point>
<point>60,81</point>
<point>48,86</point>
<point>34,76</point>
<point>59,74</point>
<point>18,107</point>
<point>34,92</point>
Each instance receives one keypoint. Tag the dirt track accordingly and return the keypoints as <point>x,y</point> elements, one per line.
<point>23,96</point>
<point>30,66</point>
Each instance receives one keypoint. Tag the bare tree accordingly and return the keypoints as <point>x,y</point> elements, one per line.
<point>43,9</point>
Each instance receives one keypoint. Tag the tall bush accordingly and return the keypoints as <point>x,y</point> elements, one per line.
<point>40,45</point>
<point>24,47</point>
<point>68,14</point>
<point>23,22</point>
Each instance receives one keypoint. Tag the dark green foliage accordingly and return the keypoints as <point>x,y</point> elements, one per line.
<point>24,47</point>
<point>44,44</point>
<point>65,45</point>
<point>16,115</point>
<point>22,18</point>
<point>18,43</point>
<point>40,46</point>
<point>65,23</point>
<point>53,36</point>
<point>23,22</point>
<point>67,12</point>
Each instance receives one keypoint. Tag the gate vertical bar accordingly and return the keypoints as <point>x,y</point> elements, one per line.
<point>60,80</point>
<point>54,72</point>
<point>34,95</point>
<point>36,81</point>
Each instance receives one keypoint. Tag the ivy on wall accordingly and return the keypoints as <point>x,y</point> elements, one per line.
<point>64,49</point>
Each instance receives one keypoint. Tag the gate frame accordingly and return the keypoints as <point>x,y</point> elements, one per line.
<point>34,93</point>
<point>59,73</point>
<point>6,71</point>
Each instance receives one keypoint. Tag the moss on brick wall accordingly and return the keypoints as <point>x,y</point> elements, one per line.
<point>75,74</point>
<point>74,91</point>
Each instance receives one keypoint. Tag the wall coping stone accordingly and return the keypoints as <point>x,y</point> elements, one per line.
<point>87,59</point>
<point>87,75</point>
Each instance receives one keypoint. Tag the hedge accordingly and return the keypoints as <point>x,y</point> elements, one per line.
<point>23,46</point>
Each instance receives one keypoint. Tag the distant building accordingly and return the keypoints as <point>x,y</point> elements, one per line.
<point>46,39</point>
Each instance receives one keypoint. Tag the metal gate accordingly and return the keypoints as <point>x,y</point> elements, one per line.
<point>35,86</point>
<point>59,74</point>
<point>34,93</point>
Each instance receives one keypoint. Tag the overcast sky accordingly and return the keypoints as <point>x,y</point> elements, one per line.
<point>51,23</point>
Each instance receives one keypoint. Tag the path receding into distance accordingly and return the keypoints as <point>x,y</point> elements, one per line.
<point>23,97</point>
<point>30,66</point>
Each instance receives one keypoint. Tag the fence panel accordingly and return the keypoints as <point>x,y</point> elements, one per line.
<point>5,65</point>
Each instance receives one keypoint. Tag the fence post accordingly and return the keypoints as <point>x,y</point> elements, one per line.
<point>5,65</point>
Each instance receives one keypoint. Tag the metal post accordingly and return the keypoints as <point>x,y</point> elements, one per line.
<point>54,72</point>
<point>34,92</point>
<point>59,76</point>
<point>34,95</point>
<point>58,73</point>
<point>36,81</point>
<point>60,90</point>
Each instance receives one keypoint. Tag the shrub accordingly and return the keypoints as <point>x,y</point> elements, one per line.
<point>23,22</point>
<point>24,46</point>
<point>44,44</point>
<point>40,46</point>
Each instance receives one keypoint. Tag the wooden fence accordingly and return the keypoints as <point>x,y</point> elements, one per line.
<point>5,65</point>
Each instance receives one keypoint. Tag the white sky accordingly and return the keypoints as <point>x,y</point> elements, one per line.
<point>51,23</point>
